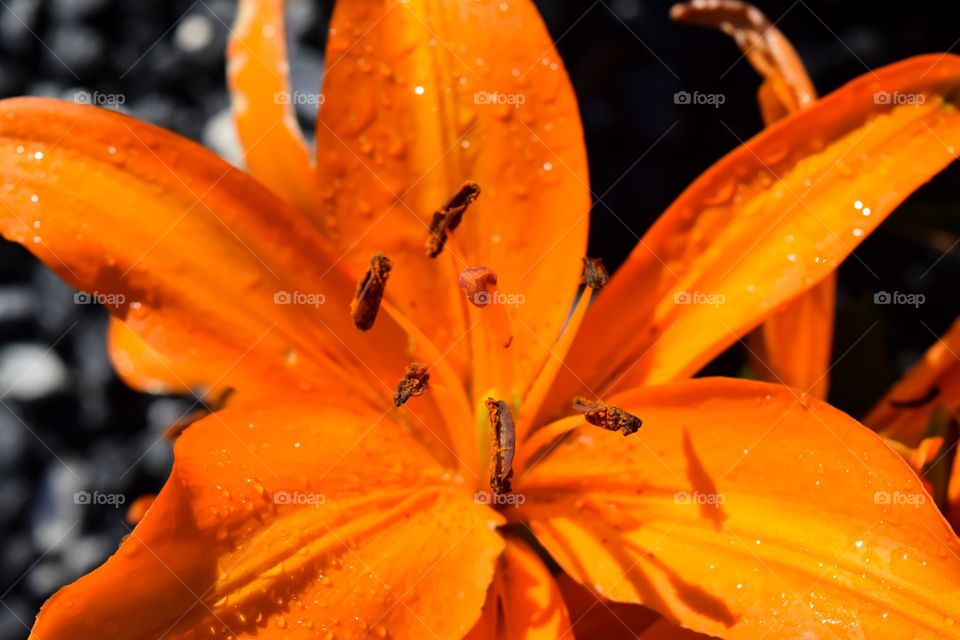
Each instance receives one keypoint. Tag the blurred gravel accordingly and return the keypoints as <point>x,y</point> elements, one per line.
<point>67,425</point>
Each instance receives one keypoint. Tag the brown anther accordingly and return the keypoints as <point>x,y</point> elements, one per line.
<point>607,417</point>
<point>178,427</point>
<point>366,301</point>
<point>594,274</point>
<point>475,282</point>
<point>502,446</point>
<point>414,383</point>
<point>448,217</point>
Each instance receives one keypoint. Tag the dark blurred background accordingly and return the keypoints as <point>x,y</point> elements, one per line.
<point>67,424</point>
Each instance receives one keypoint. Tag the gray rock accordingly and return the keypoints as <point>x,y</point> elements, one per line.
<point>13,439</point>
<point>59,506</point>
<point>76,48</point>
<point>30,372</point>
<point>77,9</point>
<point>16,303</point>
<point>18,21</point>
<point>220,134</point>
<point>195,32</point>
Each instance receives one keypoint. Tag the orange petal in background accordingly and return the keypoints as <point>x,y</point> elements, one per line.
<point>746,509</point>
<point>765,224</point>
<point>905,411</point>
<point>273,526</point>
<point>793,345</point>
<point>263,105</point>
<point>420,98</point>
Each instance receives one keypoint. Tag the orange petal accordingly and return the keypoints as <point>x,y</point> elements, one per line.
<point>143,368</point>
<point>263,104</point>
<point>293,518</point>
<point>523,600</point>
<point>741,509</point>
<point>906,409</point>
<point>768,222</point>
<point>793,345</point>
<point>197,258</point>
<point>419,98</point>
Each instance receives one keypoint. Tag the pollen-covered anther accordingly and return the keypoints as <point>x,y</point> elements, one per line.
<point>594,275</point>
<point>607,417</point>
<point>366,301</point>
<point>413,384</point>
<point>448,217</point>
<point>502,447</point>
<point>477,283</point>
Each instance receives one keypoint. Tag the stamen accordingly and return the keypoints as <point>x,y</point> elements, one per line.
<point>448,217</point>
<point>366,302</point>
<point>607,417</point>
<point>595,274</point>
<point>414,383</point>
<point>503,446</point>
<point>174,430</point>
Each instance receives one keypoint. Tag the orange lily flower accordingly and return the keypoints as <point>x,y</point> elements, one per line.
<point>310,505</point>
